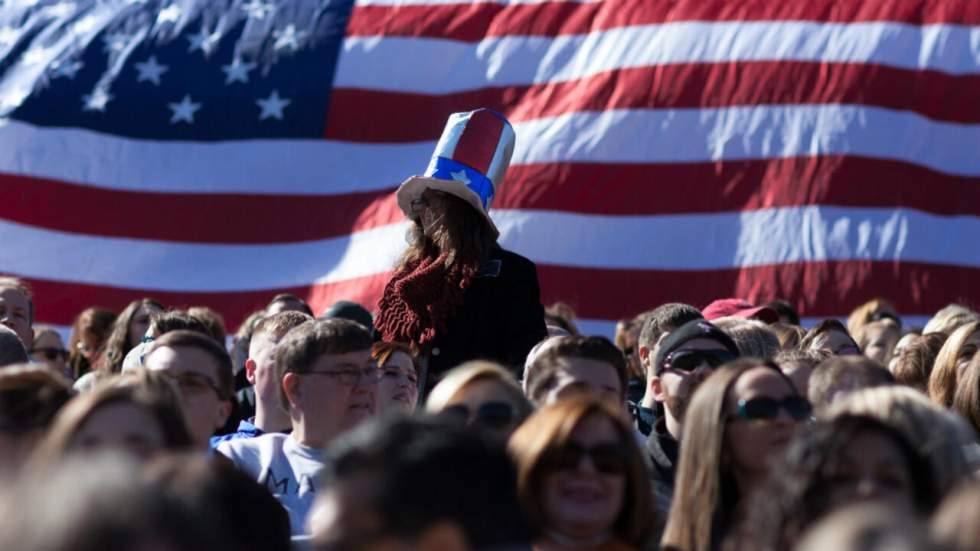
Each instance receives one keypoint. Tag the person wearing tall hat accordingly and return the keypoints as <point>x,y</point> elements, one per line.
<point>456,295</point>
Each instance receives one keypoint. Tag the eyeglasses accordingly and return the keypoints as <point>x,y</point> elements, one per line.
<point>767,409</point>
<point>689,360</point>
<point>606,458</point>
<point>51,354</point>
<point>194,384</point>
<point>490,415</point>
<point>349,377</point>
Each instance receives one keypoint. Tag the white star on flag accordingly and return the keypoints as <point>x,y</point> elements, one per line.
<point>150,70</point>
<point>37,55</point>
<point>85,25</point>
<point>170,14</point>
<point>272,106</point>
<point>237,71</point>
<point>460,177</point>
<point>203,41</point>
<point>183,111</point>
<point>97,100</point>
<point>7,35</point>
<point>66,69</point>
<point>288,38</point>
<point>114,43</point>
<point>256,9</point>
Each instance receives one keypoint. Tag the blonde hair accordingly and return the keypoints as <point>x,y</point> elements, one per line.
<point>937,434</point>
<point>753,338</point>
<point>949,318</point>
<point>942,380</point>
<point>460,377</point>
<point>861,315</point>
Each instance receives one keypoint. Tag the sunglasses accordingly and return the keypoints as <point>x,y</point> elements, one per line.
<point>51,354</point>
<point>767,409</point>
<point>491,415</point>
<point>689,360</point>
<point>606,458</point>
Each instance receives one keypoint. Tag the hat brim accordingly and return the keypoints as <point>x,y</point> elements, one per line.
<point>761,313</point>
<point>412,188</point>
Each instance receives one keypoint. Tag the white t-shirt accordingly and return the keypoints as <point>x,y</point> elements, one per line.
<point>290,470</point>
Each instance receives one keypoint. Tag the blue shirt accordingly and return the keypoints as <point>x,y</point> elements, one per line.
<point>245,430</point>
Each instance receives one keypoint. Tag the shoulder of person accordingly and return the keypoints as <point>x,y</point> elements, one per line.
<point>506,263</point>
<point>246,451</point>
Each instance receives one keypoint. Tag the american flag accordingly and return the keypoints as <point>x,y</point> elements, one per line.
<point>219,152</point>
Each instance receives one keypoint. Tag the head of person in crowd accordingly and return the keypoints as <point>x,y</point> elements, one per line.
<point>88,337</point>
<point>139,415</point>
<point>789,335</point>
<point>626,339</point>
<point>399,384</point>
<point>936,433</point>
<point>482,395</point>
<point>787,314</point>
<point>17,309</point>
<point>581,476</point>
<point>966,400</point>
<point>349,310</point>
<point>201,369</point>
<point>98,503</point>
<point>214,321</point>
<point>948,318</point>
<point>798,365</point>
<point>951,362</point>
<point>127,332</point>
<point>957,518</point>
<point>261,372</point>
<point>12,349</point>
<point>740,420</point>
<point>836,463</point>
<point>869,527</point>
<point>285,301</point>
<point>878,338</point>
<point>912,365</point>
<point>417,482</point>
<point>328,381</point>
<point>237,510</point>
<point>839,375</point>
<point>561,315</point>
<point>684,360</point>
<point>30,396</point>
<point>832,336</point>
<point>739,308</point>
<point>566,365</point>
<point>175,320</point>
<point>753,338</point>
<point>50,350</point>
<point>657,324</point>
<point>240,343</point>
<point>875,309</point>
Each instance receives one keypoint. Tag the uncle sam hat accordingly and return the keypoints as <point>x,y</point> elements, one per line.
<point>470,161</point>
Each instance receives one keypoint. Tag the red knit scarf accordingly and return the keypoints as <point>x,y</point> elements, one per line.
<point>417,302</point>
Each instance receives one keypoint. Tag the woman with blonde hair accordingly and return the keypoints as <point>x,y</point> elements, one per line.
<point>581,477</point>
<point>877,339</point>
<point>875,309</point>
<point>740,419</point>
<point>482,394</point>
<point>947,319</point>
<point>951,361</point>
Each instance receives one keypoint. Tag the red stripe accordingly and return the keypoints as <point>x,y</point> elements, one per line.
<point>479,140</point>
<point>602,189</point>
<point>818,289</point>
<point>374,116</point>
<point>473,22</point>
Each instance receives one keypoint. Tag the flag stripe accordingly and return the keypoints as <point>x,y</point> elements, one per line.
<point>471,22</point>
<point>384,116</point>
<point>696,242</point>
<point>587,188</point>
<point>390,63</point>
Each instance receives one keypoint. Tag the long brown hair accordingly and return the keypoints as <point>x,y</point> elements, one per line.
<point>464,235</point>
<point>966,401</point>
<point>943,379</point>
<point>551,428</point>
<point>117,345</point>
<point>95,323</point>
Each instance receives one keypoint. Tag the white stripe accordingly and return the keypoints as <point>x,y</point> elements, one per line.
<point>391,63</point>
<point>620,136</point>
<point>462,3</point>
<point>677,242</point>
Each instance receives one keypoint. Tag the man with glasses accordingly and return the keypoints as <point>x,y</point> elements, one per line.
<point>328,384</point>
<point>17,309</point>
<point>201,369</point>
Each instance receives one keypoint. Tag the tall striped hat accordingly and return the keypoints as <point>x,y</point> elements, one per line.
<point>470,161</point>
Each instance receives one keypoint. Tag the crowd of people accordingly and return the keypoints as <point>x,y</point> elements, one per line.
<point>459,413</point>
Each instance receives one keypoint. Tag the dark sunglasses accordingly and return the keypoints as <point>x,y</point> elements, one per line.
<point>606,458</point>
<point>51,353</point>
<point>491,415</point>
<point>767,409</point>
<point>689,360</point>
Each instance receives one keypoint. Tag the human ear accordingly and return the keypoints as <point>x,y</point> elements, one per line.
<point>292,388</point>
<point>657,388</point>
<point>250,367</point>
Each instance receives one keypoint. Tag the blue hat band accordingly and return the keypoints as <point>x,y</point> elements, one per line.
<point>447,169</point>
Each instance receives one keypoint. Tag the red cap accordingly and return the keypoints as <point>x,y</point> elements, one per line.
<point>739,308</point>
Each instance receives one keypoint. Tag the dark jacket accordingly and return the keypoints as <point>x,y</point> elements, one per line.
<point>663,450</point>
<point>501,318</point>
